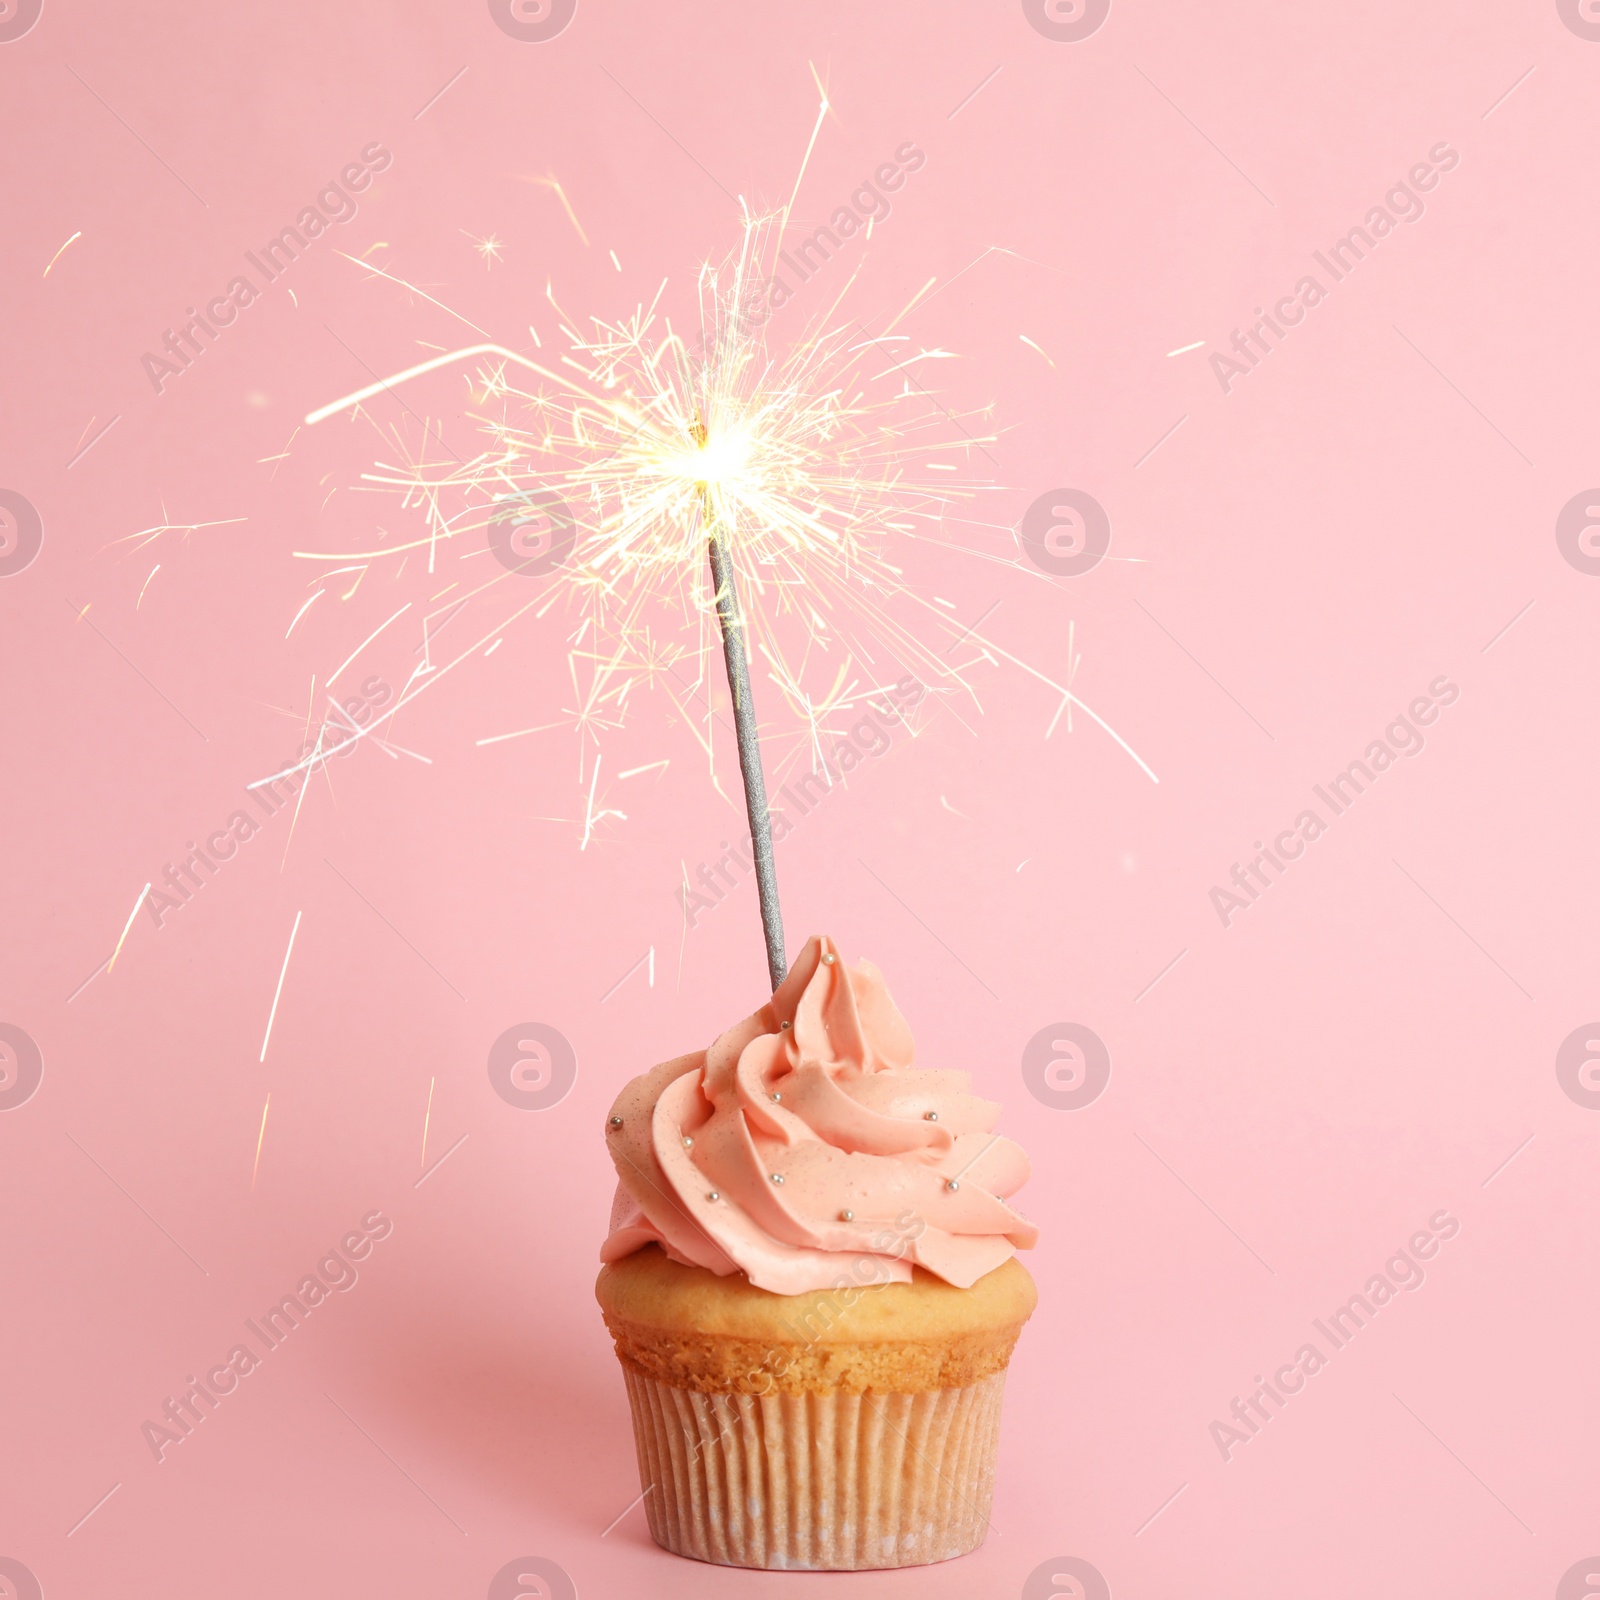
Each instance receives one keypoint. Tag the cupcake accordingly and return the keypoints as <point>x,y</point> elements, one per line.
<point>810,1278</point>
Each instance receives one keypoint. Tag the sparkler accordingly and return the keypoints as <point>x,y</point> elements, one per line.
<point>790,470</point>
<point>638,453</point>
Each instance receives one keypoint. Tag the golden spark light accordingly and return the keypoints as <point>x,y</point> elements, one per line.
<point>277,995</point>
<point>427,1119</point>
<point>261,1139</point>
<point>489,247</point>
<point>144,894</point>
<point>62,251</point>
<point>605,467</point>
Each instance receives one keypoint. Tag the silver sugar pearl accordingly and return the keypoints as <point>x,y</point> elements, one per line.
<point>777,1177</point>
<point>784,1027</point>
<point>776,1095</point>
<point>951,1183</point>
<point>930,1116</point>
<point>847,1216</point>
<point>616,1122</point>
<point>713,1195</point>
<point>828,961</point>
<point>688,1143</point>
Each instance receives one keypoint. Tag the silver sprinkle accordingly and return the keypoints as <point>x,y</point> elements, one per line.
<point>713,1195</point>
<point>950,1183</point>
<point>930,1116</point>
<point>616,1122</point>
<point>847,1216</point>
<point>777,1177</point>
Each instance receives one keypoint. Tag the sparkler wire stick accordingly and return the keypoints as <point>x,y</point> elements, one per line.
<point>737,661</point>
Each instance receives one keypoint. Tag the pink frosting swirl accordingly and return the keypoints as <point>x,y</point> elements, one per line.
<point>805,1134</point>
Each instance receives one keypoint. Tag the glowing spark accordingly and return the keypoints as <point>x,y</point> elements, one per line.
<point>489,247</point>
<point>370,730</point>
<point>1185,349</point>
<point>427,1117</point>
<point>365,642</point>
<point>633,772</point>
<point>261,1139</point>
<point>821,90</point>
<point>588,821</point>
<point>413,289</point>
<point>1074,660</point>
<point>127,926</point>
<point>614,262</point>
<point>561,195</point>
<point>601,466</point>
<point>147,535</point>
<point>305,608</point>
<point>492,648</point>
<point>951,809</point>
<point>272,1015</point>
<point>293,301</point>
<point>310,762</point>
<point>500,738</point>
<point>398,750</point>
<point>153,571</point>
<point>62,251</point>
<point>1027,341</point>
<point>811,144</point>
<point>384,385</point>
<point>282,455</point>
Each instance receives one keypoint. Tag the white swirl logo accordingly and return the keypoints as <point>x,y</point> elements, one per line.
<point>21,1067</point>
<point>532,21</point>
<point>17,17</point>
<point>1066,1578</point>
<point>21,529</point>
<point>532,1066</point>
<point>1065,532</point>
<point>1581,1581</point>
<point>1581,16</point>
<point>17,1582</point>
<point>532,533</point>
<point>1066,21</point>
<point>1578,1066</point>
<point>1066,1066</point>
<point>532,1578</point>
<point>1578,532</point>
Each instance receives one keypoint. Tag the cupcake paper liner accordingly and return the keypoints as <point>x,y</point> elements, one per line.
<point>817,1481</point>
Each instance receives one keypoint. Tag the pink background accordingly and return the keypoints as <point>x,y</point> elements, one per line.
<point>1375,1039</point>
